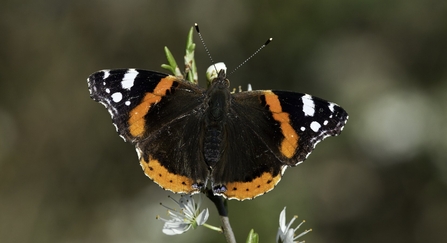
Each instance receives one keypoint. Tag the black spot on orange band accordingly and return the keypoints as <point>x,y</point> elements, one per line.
<point>167,180</point>
<point>252,189</point>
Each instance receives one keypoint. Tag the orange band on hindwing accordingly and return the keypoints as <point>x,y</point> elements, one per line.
<point>254,188</point>
<point>167,180</point>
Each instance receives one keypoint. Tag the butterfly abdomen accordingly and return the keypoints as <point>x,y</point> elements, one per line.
<point>212,145</point>
<point>215,116</point>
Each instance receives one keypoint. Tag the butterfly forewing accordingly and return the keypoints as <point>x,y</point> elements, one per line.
<point>312,119</point>
<point>120,91</point>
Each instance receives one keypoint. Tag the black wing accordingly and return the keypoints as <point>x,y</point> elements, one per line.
<point>159,114</point>
<point>270,130</point>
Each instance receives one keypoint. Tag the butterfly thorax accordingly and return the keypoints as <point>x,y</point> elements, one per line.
<point>218,101</point>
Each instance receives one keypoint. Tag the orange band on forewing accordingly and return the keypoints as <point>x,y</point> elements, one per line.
<point>165,179</point>
<point>290,142</point>
<point>164,85</point>
<point>254,188</point>
<point>136,120</point>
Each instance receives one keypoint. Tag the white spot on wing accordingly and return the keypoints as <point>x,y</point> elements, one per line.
<point>127,103</point>
<point>106,75</point>
<point>303,129</point>
<point>325,122</point>
<point>331,106</point>
<point>308,105</point>
<point>108,91</point>
<point>315,126</point>
<point>117,97</point>
<point>129,78</point>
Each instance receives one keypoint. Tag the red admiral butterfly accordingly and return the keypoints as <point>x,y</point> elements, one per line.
<point>187,136</point>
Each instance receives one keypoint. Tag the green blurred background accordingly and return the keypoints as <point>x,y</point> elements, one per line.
<point>65,175</point>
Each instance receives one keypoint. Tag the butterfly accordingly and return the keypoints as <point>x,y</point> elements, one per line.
<point>188,137</point>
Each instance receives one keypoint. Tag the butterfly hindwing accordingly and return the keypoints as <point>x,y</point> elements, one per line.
<point>173,157</point>
<point>248,149</point>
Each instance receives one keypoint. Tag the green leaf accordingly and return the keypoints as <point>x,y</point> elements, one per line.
<point>190,73</point>
<point>172,66</point>
<point>252,237</point>
<point>190,63</point>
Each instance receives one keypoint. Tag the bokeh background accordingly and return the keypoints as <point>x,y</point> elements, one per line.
<point>65,175</point>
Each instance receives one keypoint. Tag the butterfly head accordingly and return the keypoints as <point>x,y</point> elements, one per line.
<point>221,81</point>
<point>216,75</point>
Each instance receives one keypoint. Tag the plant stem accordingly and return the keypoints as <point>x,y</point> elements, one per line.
<point>212,227</point>
<point>223,213</point>
<point>228,232</point>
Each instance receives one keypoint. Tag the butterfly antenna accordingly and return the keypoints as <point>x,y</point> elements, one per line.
<point>203,43</point>
<point>252,55</point>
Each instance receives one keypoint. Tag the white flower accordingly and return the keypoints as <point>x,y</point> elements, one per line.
<point>188,216</point>
<point>286,234</point>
